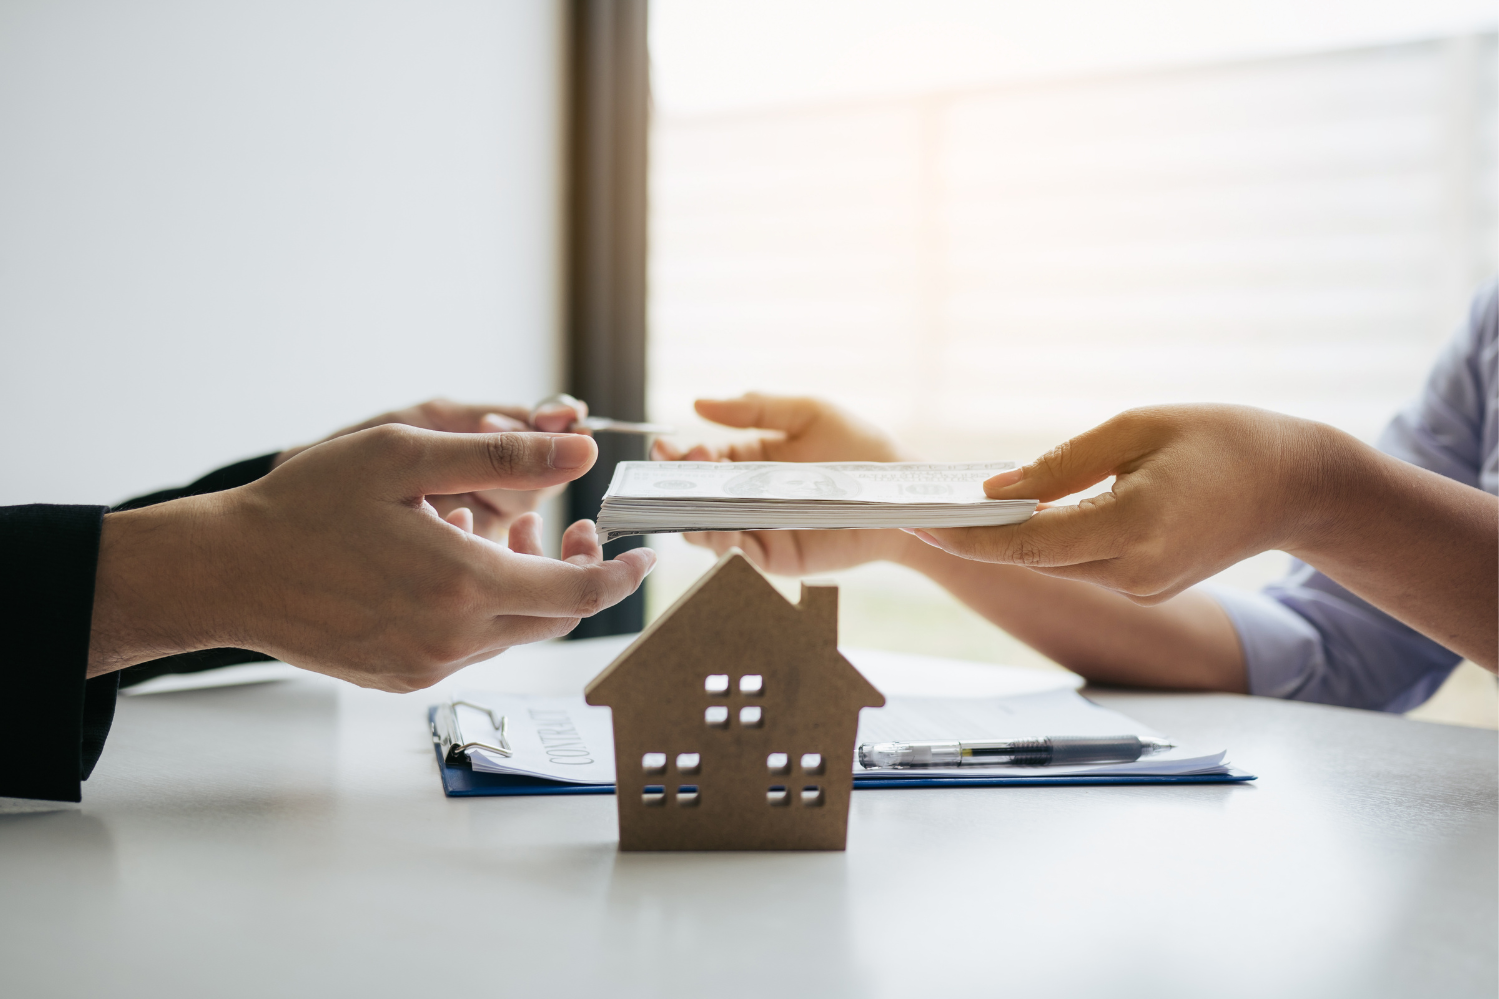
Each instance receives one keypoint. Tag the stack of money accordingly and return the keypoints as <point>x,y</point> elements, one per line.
<point>669,497</point>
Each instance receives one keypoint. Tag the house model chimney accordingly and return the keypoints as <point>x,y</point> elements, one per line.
<point>735,718</point>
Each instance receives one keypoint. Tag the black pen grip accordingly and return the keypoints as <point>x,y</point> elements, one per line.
<point>1110,748</point>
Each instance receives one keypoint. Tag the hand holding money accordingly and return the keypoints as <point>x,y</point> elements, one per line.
<point>1200,487</point>
<point>796,429</point>
<point>665,497</point>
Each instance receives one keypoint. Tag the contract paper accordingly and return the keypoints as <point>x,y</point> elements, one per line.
<point>557,738</point>
<point>563,739</point>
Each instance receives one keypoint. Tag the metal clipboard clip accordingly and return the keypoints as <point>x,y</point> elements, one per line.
<point>448,734</point>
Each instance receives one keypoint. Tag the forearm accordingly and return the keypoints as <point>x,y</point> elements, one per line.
<point>238,474</point>
<point>157,568</point>
<point>1421,547</point>
<point>1187,642</point>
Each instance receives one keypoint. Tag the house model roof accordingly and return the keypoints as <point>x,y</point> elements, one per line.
<point>733,616</point>
<point>734,719</point>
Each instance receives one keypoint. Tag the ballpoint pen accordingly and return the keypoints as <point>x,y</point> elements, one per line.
<point>1048,751</point>
<point>604,424</point>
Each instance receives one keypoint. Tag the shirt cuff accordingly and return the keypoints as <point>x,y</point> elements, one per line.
<point>1281,648</point>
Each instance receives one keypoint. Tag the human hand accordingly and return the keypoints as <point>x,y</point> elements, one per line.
<point>336,562</point>
<point>806,553</point>
<point>801,429</point>
<point>1196,489</point>
<point>492,510</point>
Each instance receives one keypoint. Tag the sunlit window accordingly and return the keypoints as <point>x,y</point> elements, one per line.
<point>989,256</point>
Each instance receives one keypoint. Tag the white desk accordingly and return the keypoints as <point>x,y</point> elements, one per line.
<point>292,839</point>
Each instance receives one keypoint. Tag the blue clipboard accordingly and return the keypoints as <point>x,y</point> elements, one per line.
<point>462,782</point>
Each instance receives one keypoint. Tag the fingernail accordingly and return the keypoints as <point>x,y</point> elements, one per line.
<point>570,451</point>
<point>924,536</point>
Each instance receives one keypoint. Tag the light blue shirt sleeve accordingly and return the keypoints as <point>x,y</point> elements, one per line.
<point>1308,638</point>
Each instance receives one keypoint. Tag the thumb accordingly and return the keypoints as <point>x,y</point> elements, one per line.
<point>1074,465</point>
<point>431,463</point>
<point>761,412</point>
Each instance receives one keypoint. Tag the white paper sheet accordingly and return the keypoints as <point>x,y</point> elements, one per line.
<point>223,676</point>
<point>564,739</point>
<point>559,738</point>
<point>1052,713</point>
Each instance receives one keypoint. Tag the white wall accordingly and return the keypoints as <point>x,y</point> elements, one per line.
<point>229,227</point>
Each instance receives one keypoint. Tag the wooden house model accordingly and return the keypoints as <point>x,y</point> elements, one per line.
<point>734,719</point>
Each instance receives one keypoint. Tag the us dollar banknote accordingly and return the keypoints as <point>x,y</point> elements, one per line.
<point>655,497</point>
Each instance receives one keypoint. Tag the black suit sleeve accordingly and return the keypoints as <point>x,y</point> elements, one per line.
<point>238,474</point>
<point>53,720</point>
<point>241,473</point>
